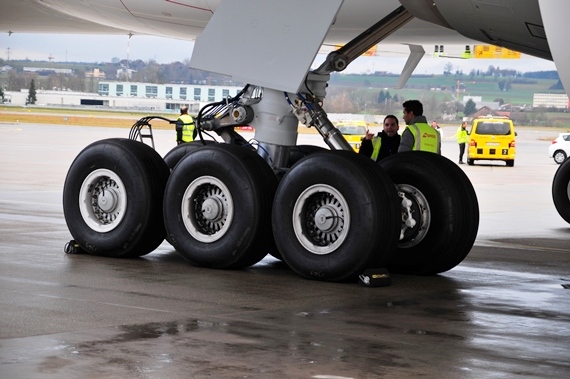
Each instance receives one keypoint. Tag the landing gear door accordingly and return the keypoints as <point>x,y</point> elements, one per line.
<point>269,43</point>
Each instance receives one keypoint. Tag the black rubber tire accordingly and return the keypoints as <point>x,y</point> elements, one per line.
<point>249,182</point>
<point>561,190</point>
<point>510,162</point>
<point>470,162</point>
<point>175,155</point>
<point>453,207</point>
<point>559,156</point>
<point>349,184</point>
<point>140,228</point>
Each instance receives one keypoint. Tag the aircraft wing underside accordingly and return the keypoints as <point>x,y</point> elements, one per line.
<point>519,26</point>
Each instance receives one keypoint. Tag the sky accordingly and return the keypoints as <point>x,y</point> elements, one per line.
<point>102,48</point>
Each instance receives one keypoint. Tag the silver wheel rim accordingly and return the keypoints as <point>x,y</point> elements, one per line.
<point>559,157</point>
<point>421,216</point>
<point>207,209</point>
<point>102,200</point>
<point>321,219</point>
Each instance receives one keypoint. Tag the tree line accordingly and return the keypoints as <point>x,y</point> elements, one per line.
<point>16,77</point>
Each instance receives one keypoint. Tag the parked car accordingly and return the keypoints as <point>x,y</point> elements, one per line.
<point>560,148</point>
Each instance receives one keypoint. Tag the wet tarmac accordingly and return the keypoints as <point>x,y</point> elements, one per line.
<point>504,312</point>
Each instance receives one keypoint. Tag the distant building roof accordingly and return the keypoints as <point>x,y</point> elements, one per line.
<point>47,69</point>
<point>487,111</point>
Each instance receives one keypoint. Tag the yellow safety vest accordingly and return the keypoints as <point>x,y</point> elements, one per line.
<point>376,143</point>
<point>187,127</point>
<point>426,138</point>
<point>462,135</point>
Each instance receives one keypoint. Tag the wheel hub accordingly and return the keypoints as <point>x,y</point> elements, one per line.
<point>107,200</point>
<point>326,219</point>
<point>212,209</point>
<point>321,219</point>
<point>207,209</point>
<point>416,215</point>
<point>102,200</point>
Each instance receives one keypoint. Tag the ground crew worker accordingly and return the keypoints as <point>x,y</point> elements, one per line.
<point>435,125</point>
<point>418,135</point>
<point>385,143</point>
<point>462,134</point>
<point>185,128</point>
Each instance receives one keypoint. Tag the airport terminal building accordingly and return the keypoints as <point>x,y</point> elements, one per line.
<point>130,95</point>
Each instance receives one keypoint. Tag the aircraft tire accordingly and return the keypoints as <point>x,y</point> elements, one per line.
<point>335,214</point>
<point>217,207</point>
<point>440,192</point>
<point>176,153</point>
<point>112,198</point>
<point>561,190</point>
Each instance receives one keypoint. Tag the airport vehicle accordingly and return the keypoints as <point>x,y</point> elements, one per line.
<point>353,132</point>
<point>492,139</point>
<point>559,150</point>
<point>331,214</point>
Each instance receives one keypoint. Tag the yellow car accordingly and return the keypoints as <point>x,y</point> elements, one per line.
<point>353,133</point>
<point>492,138</point>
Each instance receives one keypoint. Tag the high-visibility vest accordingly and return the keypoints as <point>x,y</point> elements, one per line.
<point>187,127</point>
<point>462,135</point>
<point>376,144</point>
<point>426,138</point>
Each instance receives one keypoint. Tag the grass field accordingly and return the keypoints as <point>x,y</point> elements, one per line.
<point>78,117</point>
<point>521,92</point>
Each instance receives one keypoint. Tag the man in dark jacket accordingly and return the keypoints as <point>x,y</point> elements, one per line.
<point>385,143</point>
